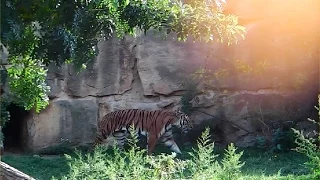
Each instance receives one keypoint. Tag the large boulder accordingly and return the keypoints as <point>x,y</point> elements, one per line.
<point>164,65</point>
<point>242,116</point>
<point>110,73</point>
<point>72,121</point>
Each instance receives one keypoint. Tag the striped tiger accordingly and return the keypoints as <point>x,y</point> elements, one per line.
<point>155,125</point>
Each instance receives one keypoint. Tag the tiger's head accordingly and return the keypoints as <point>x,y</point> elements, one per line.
<point>183,122</point>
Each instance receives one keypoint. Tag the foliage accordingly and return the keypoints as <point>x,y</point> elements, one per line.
<point>135,164</point>
<point>166,166</point>
<point>231,163</point>
<point>132,164</point>
<point>259,165</point>
<point>4,117</point>
<point>203,164</point>
<point>281,141</point>
<point>235,67</point>
<point>38,33</point>
<point>28,83</point>
<point>308,146</point>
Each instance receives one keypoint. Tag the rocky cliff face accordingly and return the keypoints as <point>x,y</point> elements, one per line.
<point>264,82</point>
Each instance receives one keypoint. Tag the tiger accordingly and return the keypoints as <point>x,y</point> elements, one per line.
<point>155,125</point>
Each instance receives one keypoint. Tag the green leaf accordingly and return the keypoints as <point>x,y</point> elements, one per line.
<point>126,2</point>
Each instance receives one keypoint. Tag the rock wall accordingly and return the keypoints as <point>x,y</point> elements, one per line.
<point>281,47</point>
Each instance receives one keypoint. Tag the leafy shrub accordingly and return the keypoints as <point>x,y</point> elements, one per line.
<point>280,141</point>
<point>204,165</point>
<point>135,164</point>
<point>4,117</point>
<point>27,82</point>
<point>307,145</point>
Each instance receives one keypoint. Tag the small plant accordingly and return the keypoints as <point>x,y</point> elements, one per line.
<point>204,164</point>
<point>231,163</point>
<point>308,146</point>
<point>167,167</point>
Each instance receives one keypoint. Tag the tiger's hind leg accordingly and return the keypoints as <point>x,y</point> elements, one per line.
<point>167,140</point>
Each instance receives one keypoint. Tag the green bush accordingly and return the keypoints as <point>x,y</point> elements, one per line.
<point>280,141</point>
<point>203,164</point>
<point>136,164</point>
<point>308,146</point>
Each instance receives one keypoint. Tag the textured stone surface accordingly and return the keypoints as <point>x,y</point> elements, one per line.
<point>164,66</point>
<point>248,114</point>
<point>3,54</point>
<point>109,74</point>
<point>55,79</point>
<point>72,121</point>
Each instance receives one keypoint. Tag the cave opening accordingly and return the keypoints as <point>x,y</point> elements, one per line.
<point>13,130</point>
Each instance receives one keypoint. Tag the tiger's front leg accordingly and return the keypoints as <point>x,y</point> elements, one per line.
<point>168,141</point>
<point>173,146</point>
<point>121,137</point>
<point>152,141</point>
